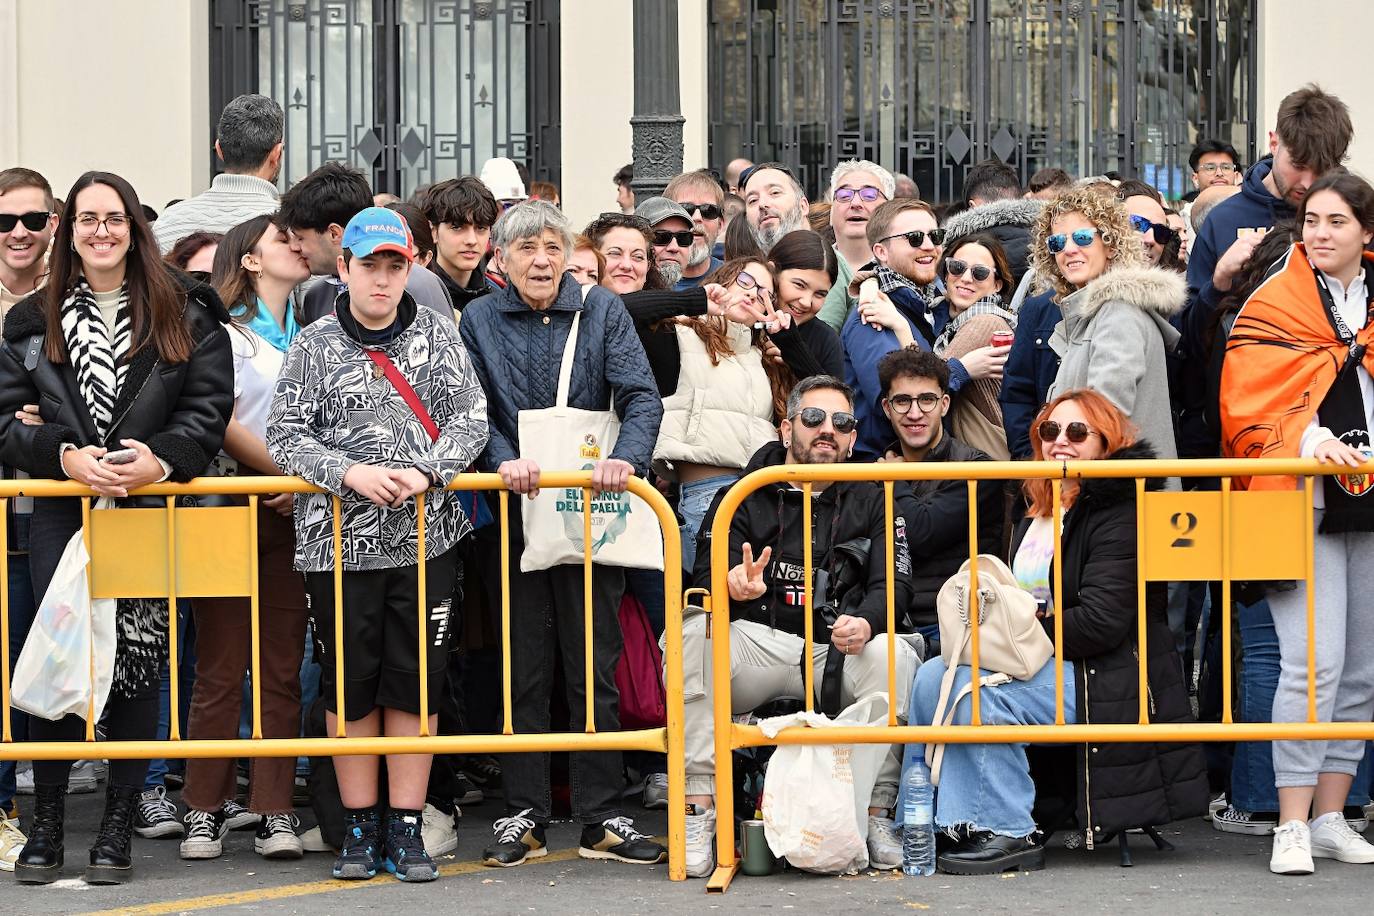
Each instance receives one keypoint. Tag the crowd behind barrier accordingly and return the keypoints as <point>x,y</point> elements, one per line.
<point>325,427</point>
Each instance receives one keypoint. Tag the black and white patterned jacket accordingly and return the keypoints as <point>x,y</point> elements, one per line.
<point>332,410</point>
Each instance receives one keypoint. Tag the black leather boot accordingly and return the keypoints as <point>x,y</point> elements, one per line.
<point>40,861</point>
<point>111,859</point>
<point>986,853</point>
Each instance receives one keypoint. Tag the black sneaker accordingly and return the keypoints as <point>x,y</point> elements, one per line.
<point>405,850</point>
<point>618,839</point>
<point>464,792</point>
<point>361,855</point>
<point>517,838</point>
<point>483,771</point>
<point>205,832</point>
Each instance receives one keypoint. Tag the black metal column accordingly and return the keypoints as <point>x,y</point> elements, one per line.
<point>657,121</point>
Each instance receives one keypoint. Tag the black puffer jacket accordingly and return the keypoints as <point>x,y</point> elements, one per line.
<point>772,517</point>
<point>936,514</point>
<point>1121,785</point>
<point>180,410</point>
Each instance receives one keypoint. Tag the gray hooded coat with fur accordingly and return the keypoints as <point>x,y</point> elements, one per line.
<point>1114,337</point>
<point>1008,221</point>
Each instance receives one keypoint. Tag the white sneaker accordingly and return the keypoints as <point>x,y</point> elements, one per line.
<point>1292,853</point>
<point>701,841</point>
<point>12,840</point>
<point>1333,838</point>
<point>313,841</point>
<point>656,790</point>
<point>439,832</point>
<point>884,844</point>
<point>83,778</point>
<point>23,778</point>
<point>276,837</point>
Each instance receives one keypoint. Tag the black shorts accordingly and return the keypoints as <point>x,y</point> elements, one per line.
<point>381,632</point>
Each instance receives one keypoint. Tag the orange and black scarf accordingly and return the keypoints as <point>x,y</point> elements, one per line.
<point>1288,357</point>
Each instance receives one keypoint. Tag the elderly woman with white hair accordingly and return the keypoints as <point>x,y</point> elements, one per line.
<point>516,337</point>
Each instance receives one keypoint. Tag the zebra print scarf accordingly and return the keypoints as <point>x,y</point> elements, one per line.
<point>97,351</point>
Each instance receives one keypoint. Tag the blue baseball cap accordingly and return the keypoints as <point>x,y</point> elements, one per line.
<point>378,229</point>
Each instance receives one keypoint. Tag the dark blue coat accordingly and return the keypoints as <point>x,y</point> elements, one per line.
<point>517,352</point>
<point>1030,370</point>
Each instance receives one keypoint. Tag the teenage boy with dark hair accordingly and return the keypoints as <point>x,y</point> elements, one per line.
<point>377,404</point>
<point>915,399</point>
<point>462,212</point>
<point>316,210</point>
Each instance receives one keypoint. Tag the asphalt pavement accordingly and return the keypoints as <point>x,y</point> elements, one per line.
<point>1208,872</point>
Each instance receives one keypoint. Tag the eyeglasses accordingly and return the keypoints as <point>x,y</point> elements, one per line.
<point>901,403</point>
<point>1081,237</point>
<point>916,238</point>
<point>957,268</point>
<point>1211,168</point>
<point>663,237</point>
<point>812,417</point>
<point>1075,432</point>
<point>748,283</point>
<point>34,222</point>
<point>1163,234</point>
<point>867,193</point>
<point>708,211</point>
<point>89,224</point>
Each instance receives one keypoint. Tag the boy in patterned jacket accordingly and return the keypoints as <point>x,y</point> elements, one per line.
<point>378,404</point>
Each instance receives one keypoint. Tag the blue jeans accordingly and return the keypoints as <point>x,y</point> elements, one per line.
<point>694,500</point>
<point>986,786</point>
<point>186,671</point>
<point>1252,767</point>
<point>22,611</point>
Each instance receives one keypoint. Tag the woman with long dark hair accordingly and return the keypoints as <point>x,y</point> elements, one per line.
<point>131,368</point>
<point>256,271</point>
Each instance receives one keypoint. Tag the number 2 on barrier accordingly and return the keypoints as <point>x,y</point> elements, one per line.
<point>1183,542</point>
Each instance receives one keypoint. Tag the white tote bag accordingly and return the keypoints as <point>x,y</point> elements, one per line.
<point>55,674</point>
<point>816,796</point>
<point>625,530</point>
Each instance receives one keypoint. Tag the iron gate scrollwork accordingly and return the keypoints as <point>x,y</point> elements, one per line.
<point>930,87</point>
<point>409,91</point>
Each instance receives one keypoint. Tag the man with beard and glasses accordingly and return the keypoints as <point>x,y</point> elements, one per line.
<point>672,236</point>
<point>767,585</point>
<point>701,196</point>
<point>774,202</point>
<point>857,188</point>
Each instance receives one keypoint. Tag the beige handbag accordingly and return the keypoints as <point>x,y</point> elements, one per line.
<point>1011,642</point>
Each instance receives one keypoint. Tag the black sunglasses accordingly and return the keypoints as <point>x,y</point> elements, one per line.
<point>916,238</point>
<point>708,211</point>
<point>1163,234</point>
<point>34,222</point>
<point>1076,431</point>
<point>957,268</point>
<point>812,417</point>
<point>663,237</point>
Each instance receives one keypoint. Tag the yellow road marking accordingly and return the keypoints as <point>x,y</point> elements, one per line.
<point>285,891</point>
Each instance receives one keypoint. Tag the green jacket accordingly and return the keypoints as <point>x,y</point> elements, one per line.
<point>838,303</point>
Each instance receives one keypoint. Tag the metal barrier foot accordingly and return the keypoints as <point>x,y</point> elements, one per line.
<point>721,878</point>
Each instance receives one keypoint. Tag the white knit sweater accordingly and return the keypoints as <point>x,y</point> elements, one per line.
<point>231,200</point>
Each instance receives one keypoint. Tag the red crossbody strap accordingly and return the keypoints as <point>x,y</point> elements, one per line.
<point>398,381</point>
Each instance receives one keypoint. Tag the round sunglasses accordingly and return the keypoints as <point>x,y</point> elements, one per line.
<point>867,194</point>
<point>957,268</point>
<point>1081,237</point>
<point>1075,432</point>
<point>812,417</point>
<point>1163,234</point>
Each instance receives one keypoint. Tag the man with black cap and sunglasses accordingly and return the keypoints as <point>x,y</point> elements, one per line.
<point>700,194</point>
<point>767,594</point>
<point>672,237</point>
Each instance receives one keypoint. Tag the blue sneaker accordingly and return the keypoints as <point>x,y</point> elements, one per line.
<point>361,855</point>
<point>405,850</point>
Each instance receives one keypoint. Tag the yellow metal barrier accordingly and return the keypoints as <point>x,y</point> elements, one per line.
<point>212,552</point>
<point>1221,535</point>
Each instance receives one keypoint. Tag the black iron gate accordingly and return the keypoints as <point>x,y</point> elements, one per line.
<point>929,87</point>
<point>410,91</point>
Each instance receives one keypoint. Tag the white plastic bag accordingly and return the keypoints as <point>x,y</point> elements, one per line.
<point>55,674</point>
<point>815,797</point>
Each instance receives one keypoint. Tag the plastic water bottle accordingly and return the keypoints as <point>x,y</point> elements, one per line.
<point>918,815</point>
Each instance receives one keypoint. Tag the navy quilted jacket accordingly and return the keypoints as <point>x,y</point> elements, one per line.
<point>517,351</point>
